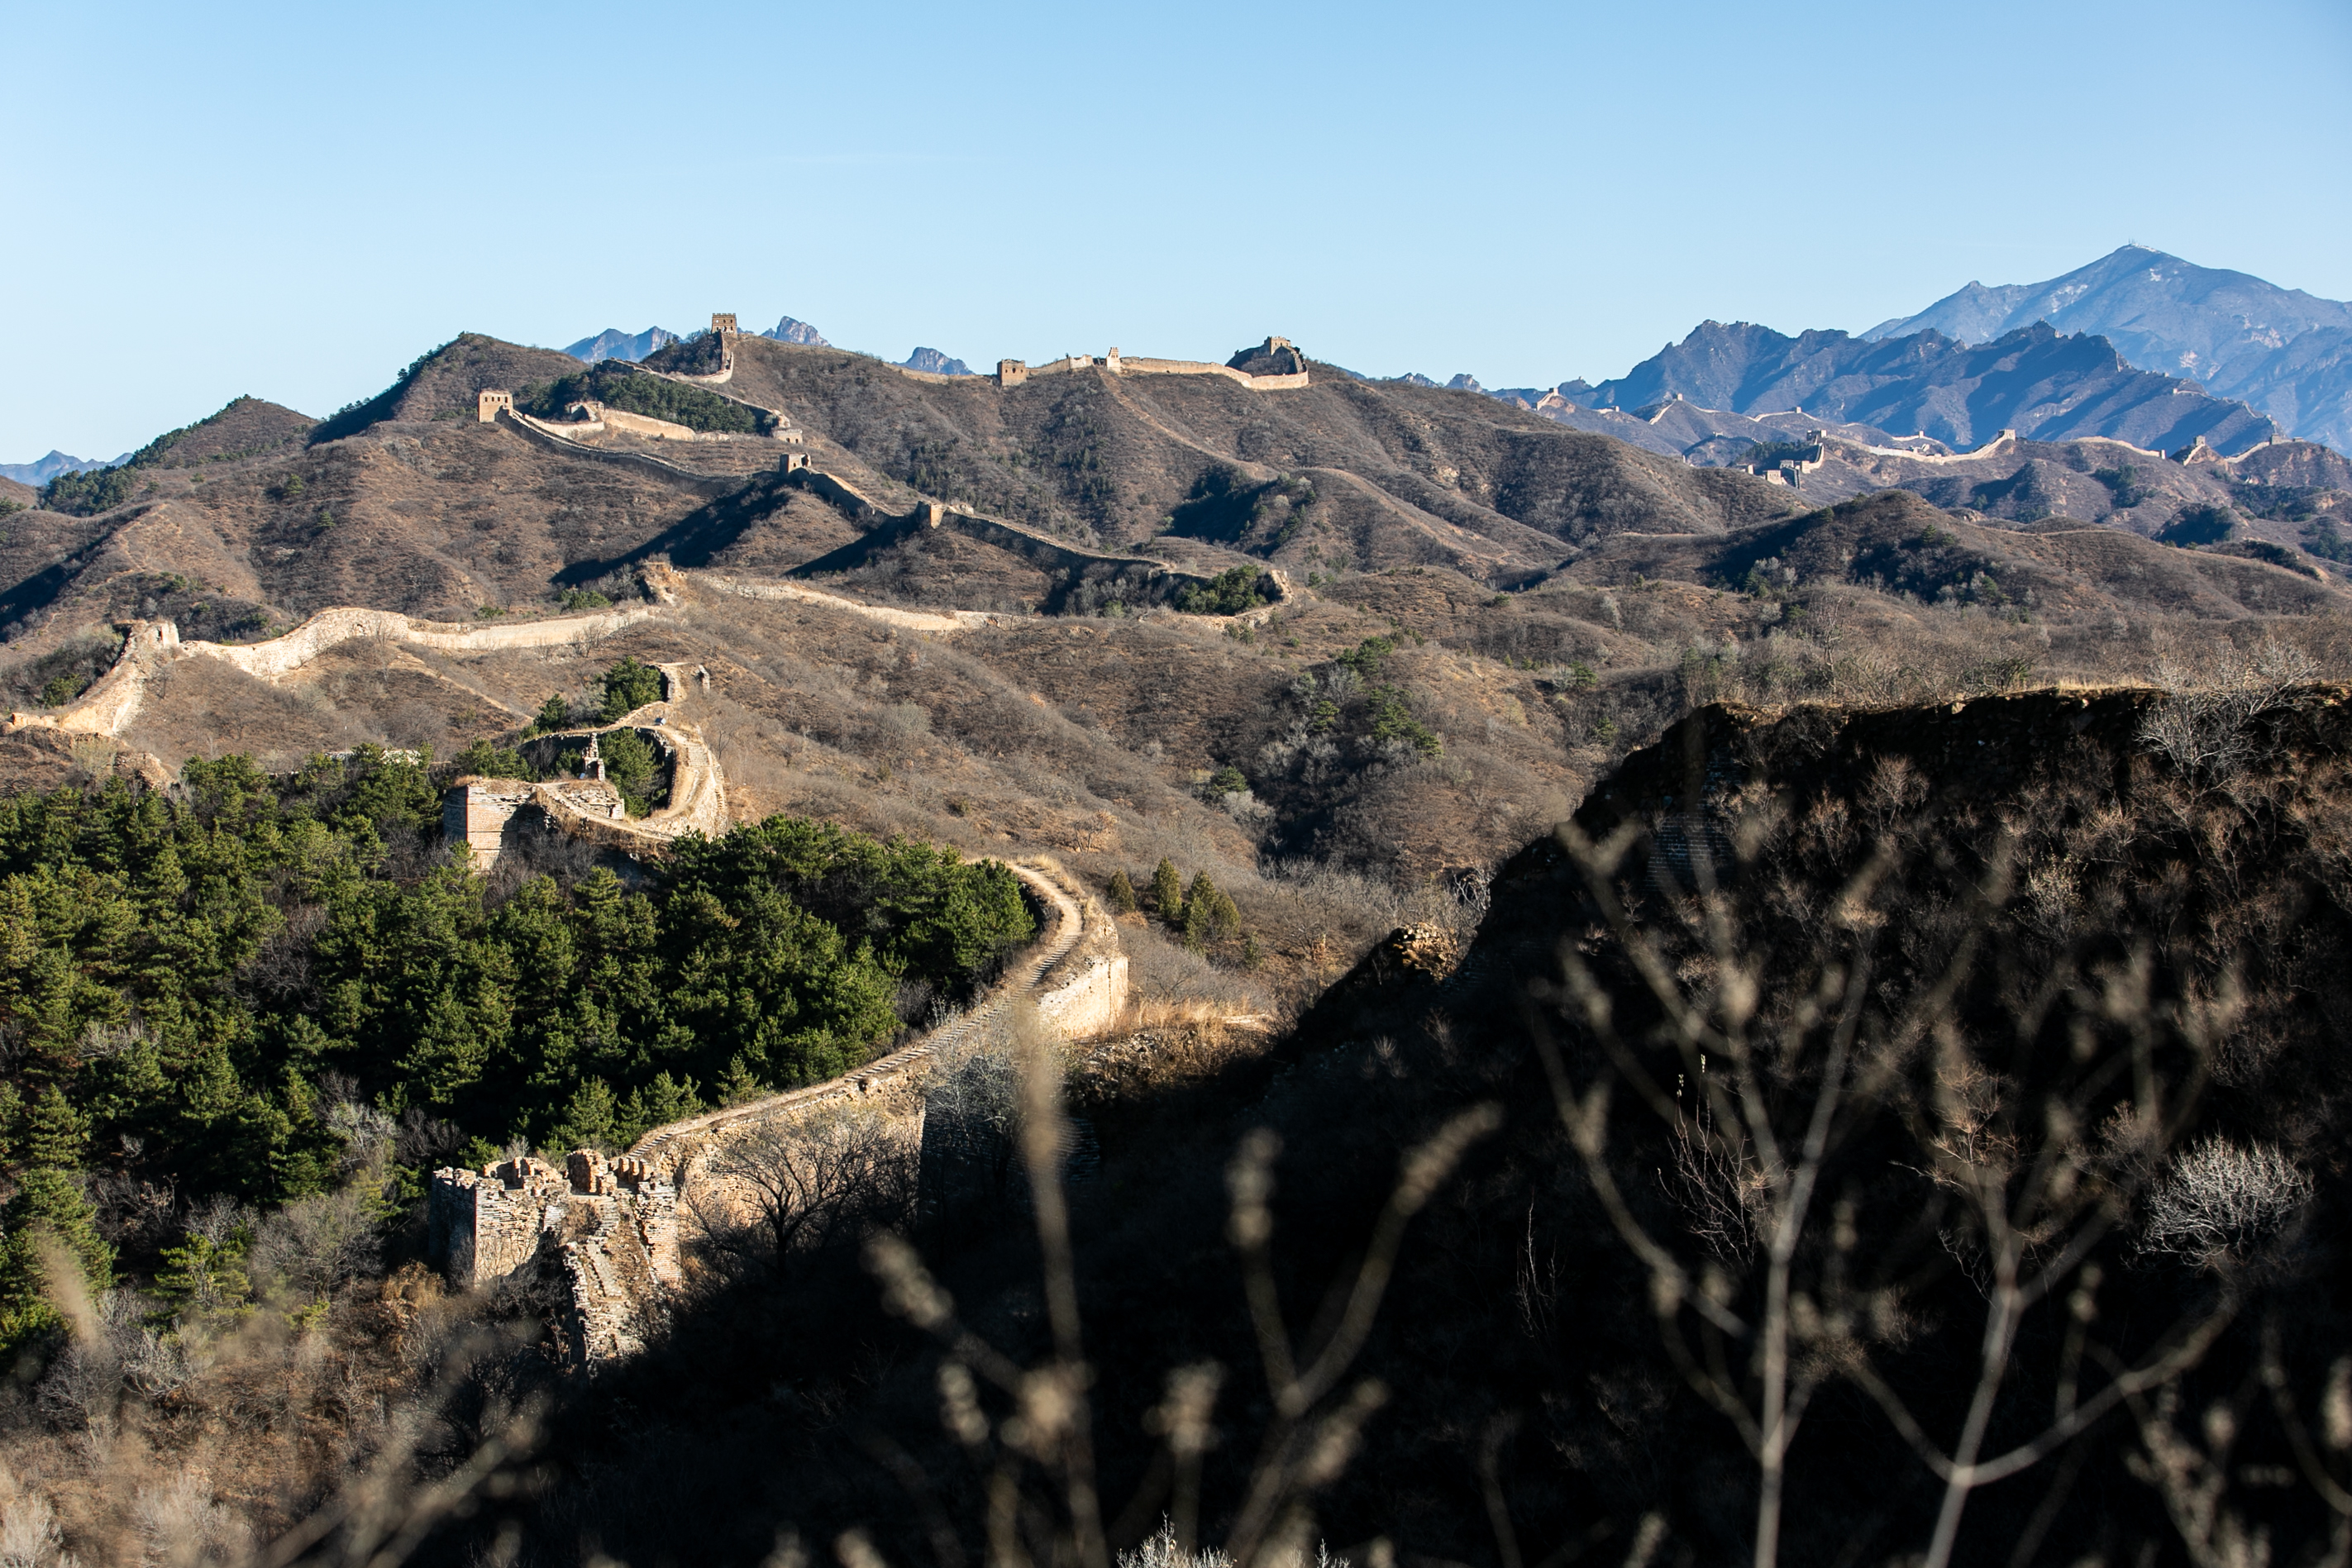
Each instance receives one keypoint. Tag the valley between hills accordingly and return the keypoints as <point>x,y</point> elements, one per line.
<point>755,952</point>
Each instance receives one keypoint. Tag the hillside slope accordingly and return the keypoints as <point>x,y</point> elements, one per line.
<point>1400,474</point>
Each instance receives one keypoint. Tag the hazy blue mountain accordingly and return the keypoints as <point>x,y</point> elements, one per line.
<point>2044,385</point>
<point>935,363</point>
<point>2284,351</point>
<point>612,343</point>
<point>41,470</point>
<point>791,332</point>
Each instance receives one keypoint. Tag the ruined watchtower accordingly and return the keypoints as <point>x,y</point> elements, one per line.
<point>609,1222</point>
<point>487,403</point>
<point>722,323</point>
<point>1012,372</point>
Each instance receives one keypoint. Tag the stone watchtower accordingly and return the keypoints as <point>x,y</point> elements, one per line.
<point>723,328</point>
<point>1010,373</point>
<point>609,1223</point>
<point>487,403</point>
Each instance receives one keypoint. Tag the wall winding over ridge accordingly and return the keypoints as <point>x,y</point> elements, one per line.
<point>612,1222</point>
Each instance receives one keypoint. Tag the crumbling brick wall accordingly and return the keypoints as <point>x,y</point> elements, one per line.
<point>610,1223</point>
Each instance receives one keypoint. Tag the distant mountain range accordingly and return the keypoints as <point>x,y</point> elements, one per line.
<point>42,470</point>
<point>2045,386</point>
<point>791,332</point>
<point>2283,351</point>
<point>2138,346</point>
<point>612,343</point>
<point>935,363</point>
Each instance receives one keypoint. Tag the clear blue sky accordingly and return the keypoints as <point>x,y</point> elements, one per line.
<point>293,200</point>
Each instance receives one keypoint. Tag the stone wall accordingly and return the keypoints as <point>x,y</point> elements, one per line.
<point>1053,554</point>
<point>552,437</point>
<point>114,698</point>
<point>477,810</point>
<point>1013,373</point>
<point>1095,989</point>
<point>610,1223</point>
<point>1085,993</point>
<point>641,425</point>
<point>939,621</point>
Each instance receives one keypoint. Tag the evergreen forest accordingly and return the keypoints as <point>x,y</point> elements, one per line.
<point>212,986</point>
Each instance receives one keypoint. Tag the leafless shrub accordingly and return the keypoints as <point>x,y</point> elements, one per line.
<point>2199,726</point>
<point>2220,1202</point>
<point>182,1525</point>
<point>370,1136</point>
<point>1166,976</point>
<point>1806,1059</point>
<point>1715,1182</point>
<point>1162,1549</point>
<point>132,1212</point>
<point>305,1250</point>
<point>1319,1413</point>
<point>777,1189</point>
<point>29,1534</point>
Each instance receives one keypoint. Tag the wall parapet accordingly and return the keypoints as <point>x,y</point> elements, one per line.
<point>1014,372</point>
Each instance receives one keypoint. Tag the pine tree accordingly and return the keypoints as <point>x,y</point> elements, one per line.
<point>658,1104</point>
<point>1121,894</point>
<point>204,1275</point>
<point>737,1083</point>
<point>49,1223</point>
<point>554,713</point>
<point>1167,892</point>
<point>588,1120</point>
<point>1201,911</point>
<point>1225,916</point>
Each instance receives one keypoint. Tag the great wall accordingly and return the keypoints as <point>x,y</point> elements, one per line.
<point>619,1228</point>
<point>113,702</point>
<point>1015,373</point>
<point>615,1228</point>
<point>611,1225</point>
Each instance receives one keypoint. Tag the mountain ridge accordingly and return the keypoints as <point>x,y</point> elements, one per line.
<point>612,343</point>
<point>2281,350</point>
<point>41,470</point>
<point>2046,386</point>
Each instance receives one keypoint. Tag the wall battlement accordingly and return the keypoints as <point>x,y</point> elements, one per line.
<point>1015,373</point>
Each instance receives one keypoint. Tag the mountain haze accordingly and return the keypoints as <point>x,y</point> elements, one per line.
<point>41,470</point>
<point>2284,351</point>
<point>934,362</point>
<point>2045,386</point>
<point>612,343</point>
